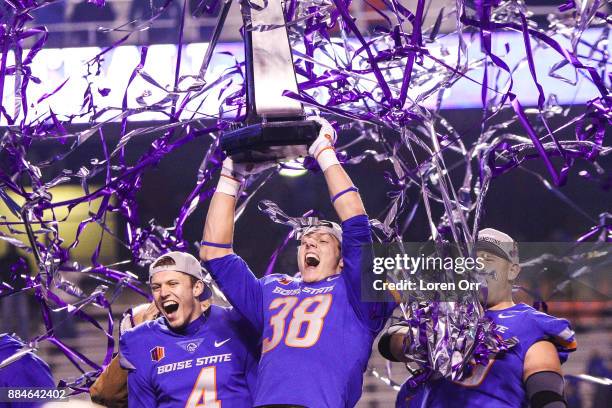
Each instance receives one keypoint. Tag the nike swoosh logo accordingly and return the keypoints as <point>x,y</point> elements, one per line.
<point>331,278</point>
<point>502,316</point>
<point>220,343</point>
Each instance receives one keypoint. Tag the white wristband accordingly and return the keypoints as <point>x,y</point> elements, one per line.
<point>327,158</point>
<point>228,185</point>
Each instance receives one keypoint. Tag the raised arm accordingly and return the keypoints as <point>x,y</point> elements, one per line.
<point>219,226</point>
<point>235,279</point>
<point>345,196</point>
<point>357,252</point>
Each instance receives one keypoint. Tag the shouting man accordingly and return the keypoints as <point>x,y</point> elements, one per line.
<point>317,332</point>
<point>187,357</point>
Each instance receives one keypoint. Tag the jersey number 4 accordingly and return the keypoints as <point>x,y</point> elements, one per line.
<point>311,312</point>
<point>204,394</point>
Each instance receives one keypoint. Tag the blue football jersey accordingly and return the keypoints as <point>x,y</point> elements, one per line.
<point>409,397</point>
<point>317,337</point>
<point>500,383</point>
<point>211,363</point>
<point>28,371</point>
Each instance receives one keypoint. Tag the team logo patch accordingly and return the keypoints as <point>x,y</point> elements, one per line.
<point>157,353</point>
<point>284,281</point>
<point>190,345</point>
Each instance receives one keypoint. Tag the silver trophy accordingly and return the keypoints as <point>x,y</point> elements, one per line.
<point>274,129</point>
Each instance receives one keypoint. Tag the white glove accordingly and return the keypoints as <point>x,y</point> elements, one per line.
<point>322,149</point>
<point>233,175</point>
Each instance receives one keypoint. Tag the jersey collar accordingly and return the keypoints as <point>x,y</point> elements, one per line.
<point>192,328</point>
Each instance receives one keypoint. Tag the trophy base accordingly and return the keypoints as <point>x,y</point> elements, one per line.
<point>270,141</point>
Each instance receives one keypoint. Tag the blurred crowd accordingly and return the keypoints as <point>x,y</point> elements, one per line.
<point>83,23</point>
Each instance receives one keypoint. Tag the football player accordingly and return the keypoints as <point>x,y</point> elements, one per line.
<point>25,371</point>
<point>317,332</point>
<point>187,357</point>
<point>110,388</point>
<point>528,374</point>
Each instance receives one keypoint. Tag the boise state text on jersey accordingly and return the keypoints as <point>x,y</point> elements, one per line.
<point>317,337</point>
<point>210,363</point>
<point>500,383</point>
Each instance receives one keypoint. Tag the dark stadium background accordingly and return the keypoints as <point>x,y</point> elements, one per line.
<point>517,203</point>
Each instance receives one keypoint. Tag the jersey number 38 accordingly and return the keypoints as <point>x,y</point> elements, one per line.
<point>311,311</point>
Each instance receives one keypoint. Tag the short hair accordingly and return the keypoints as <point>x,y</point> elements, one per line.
<point>168,261</point>
<point>164,261</point>
<point>194,280</point>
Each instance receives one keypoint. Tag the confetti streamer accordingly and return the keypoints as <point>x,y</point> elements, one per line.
<point>388,85</point>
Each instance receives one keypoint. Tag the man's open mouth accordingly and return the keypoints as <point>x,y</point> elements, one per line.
<point>312,260</point>
<point>170,306</point>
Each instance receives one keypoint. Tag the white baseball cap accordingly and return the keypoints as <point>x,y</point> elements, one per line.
<point>327,227</point>
<point>498,243</point>
<point>183,262</point>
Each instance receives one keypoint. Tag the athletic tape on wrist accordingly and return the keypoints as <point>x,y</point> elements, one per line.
<point>327,158</point>
<point>228,185</point>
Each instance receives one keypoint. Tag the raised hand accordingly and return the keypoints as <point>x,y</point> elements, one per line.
<point>322,149</point>
<point>233,174</point>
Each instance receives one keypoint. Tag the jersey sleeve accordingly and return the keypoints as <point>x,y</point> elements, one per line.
<point>357,256</point>
<point>29,371</point>
<point>251,343</point>
<point>408,396</point>
<point>140,391</point>
<point>32,372</point>
<point>238,283</point>
<point>557,331</point>
<point>251,370</point>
